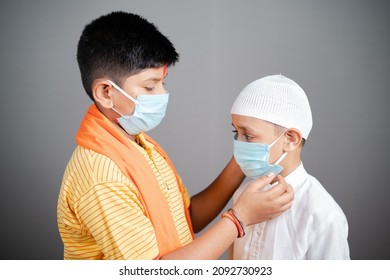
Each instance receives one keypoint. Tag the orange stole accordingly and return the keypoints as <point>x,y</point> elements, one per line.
<point>98,134</point>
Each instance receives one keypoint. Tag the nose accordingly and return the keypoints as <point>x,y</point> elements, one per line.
<point>161,88</point>
<point>240,137</point>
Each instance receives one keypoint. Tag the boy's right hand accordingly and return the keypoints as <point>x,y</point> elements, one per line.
<point>255,206</point>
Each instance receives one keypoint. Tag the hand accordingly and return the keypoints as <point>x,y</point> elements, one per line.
<point>255,206</point>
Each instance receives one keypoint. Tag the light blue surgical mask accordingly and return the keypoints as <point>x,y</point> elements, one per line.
<point>148,113</point>
<point>253,158</point>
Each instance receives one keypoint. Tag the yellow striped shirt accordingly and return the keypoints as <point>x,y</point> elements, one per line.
<point>100,214</point>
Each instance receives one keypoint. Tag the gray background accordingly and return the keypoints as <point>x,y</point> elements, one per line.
<point>337,50</point>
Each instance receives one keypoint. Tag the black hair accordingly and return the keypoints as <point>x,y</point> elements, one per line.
<point>120,44</point>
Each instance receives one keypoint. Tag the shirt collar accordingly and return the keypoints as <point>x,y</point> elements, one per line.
<point>140,139</point>
<point>297,177</point>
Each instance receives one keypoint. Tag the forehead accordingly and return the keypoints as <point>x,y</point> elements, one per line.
<point>148,74</point>
<point>250,123</point>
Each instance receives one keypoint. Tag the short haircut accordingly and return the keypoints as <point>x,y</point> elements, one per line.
<point>118,45</point>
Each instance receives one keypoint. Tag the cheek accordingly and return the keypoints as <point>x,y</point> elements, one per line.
<point>127,107</point>
<point>131,108</point>
<point>276,152</point>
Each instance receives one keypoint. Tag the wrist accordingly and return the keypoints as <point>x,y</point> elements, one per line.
<point>232,216</point>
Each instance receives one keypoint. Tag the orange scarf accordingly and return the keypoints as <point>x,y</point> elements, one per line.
<point>99,134</point>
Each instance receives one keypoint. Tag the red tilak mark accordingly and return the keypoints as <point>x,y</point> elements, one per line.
<point>165,70</point>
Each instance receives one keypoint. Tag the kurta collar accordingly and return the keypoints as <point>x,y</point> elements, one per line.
<point>297,177</point>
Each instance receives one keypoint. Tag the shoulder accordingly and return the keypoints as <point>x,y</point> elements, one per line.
<point>87,169</point>
<point>322,207</point>
<point>103,168</point>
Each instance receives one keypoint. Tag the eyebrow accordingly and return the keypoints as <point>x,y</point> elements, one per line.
<point>248,129</point>
<point>152,79</point>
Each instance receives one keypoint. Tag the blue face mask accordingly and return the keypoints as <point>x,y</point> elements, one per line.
<point>253,158</point>
<point>148,113</point>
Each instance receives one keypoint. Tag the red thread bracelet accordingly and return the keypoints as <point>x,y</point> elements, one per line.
<point>231,214</point>
<point>231,210</point>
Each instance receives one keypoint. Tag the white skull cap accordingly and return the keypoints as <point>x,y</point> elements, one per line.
<point>276,99</point>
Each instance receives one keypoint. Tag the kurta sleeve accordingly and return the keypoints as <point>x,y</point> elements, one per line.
<point>329,242</point>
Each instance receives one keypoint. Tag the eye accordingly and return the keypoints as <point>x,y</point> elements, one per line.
<point>150,88</point>
<point>248,137</point>
<point>235,131</point>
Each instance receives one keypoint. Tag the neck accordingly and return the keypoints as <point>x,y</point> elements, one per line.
<point>131,137</point>
<point>289,164</point>
<point>112,116</point>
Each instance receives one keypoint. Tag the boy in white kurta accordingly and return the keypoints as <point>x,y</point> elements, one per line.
<point>272,120</point>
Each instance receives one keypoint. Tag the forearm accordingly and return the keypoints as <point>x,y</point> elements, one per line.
<point>206,205</point>
<point>253,206</point>
<point>210,245</point>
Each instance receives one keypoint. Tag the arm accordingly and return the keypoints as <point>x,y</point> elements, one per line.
<point>207,204</point>
<point>329,242</point>
<point>251,207</point>
<point>210,245</point>
<point>230,252</point>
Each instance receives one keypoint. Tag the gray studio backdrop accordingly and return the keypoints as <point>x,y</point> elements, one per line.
<point>337,50</point>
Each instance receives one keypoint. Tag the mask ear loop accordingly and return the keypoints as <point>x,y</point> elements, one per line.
<point>284,154</point>
<point>123,92</point>
<point>117,111</point>
<point>276,140</point>
<point>281,158</point>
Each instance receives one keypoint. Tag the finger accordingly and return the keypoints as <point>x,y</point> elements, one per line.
<point>286,197</point>
<point>260,183</point>
<point>281,210</point>
<point>278,189</point>
<point>286,206</point>
<point>289,190</point>
<point>280,179</point>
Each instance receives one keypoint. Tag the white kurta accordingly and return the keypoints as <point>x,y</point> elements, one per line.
<point>314,227</point>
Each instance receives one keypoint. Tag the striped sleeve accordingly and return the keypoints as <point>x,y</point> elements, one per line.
<point>99,212</point>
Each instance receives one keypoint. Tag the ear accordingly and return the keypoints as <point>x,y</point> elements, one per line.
<point>293,139</point>
<point>102,92</point>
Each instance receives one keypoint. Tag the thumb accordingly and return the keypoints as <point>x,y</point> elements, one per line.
<point>260,183</point>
